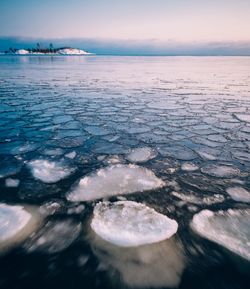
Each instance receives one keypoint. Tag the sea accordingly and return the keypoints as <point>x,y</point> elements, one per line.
<point>170,133</point>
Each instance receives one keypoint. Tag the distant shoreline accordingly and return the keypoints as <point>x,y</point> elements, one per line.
<point>44,55</point>
<point>46,51</point>
<point>120,55</point>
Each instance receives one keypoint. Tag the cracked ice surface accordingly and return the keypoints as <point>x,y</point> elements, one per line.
<point>114,180</point>
<point>130,224</point>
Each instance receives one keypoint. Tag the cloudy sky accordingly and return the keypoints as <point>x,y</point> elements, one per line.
<point>183,21</point>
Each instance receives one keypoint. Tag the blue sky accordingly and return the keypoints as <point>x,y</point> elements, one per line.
<point>157,21</point>
<point>180,20</point>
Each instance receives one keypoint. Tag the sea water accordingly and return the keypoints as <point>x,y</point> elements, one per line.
<point>171,133</point>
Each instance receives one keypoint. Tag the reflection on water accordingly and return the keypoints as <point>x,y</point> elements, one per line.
<point>153,265</point>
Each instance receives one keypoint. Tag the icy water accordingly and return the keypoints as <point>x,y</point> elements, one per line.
<point>172,133</point>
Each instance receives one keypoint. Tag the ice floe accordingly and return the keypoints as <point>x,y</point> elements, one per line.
<point>143,154</point>
<point>71,155</point>
<point>114,180</point>
<point>208,153</point>
<point>230,229</point>
<point>199,200</point>
<point>16,223</point>
<point>239,194</point>
<point>177,151</point>
<point>189,167</point>
<point>50,208</point>
<point>243,117</point>
<point>12,183</point>
<point>130,224</point>
<point>53,152</point>
<point>220,170</point>
<point>97,130</point>
<point>25,148</point>
<point>48,171</point>
<point>138,243</point>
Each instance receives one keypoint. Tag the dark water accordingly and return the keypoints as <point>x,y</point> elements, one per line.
<point>187,109</point>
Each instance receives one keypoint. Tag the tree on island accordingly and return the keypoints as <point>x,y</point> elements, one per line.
<point>51,48</point>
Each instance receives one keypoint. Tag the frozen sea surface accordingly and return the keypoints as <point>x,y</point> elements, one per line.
<point>171,133</point>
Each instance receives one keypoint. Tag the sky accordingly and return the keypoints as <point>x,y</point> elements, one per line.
<point>152,21</point>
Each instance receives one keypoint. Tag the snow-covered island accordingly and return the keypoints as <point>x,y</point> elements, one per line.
<point>47,51</point>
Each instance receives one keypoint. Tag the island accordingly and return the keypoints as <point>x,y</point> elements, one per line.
<point>40,50</point>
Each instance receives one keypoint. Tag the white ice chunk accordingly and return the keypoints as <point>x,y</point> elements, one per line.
<point>199,200</point>
<point>49,172</point>
<point>12,183</point>
<point>151,265</point>
<point>114,180</point>
<point>189,167</point>
<point>13,219</point>
<point>143,154</point>
<point>130,224</point>
<point>114,159</point>
<point>71,155</point>
<point>16,223</point>
<point>239,194</point>
<point>230,229</point>
<point>220,171</point>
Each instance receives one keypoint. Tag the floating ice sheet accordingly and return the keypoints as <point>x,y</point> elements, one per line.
<point>189,167</point>
<point>239,194</point>
<point>199,200</point>
<point>12,183</point>
<point>243,117</point>
<point>48,171</point>
<point>177,152</point>
<point>151,265</point>
<point>142,154</point>
<point>230,229</point>
<point>130,224</point>
<point>16,223</point>
<point>52,152</point>
<point>71,155</point>
<point>13,219</point>
<point>220,171</point>
<point>114,180</point>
